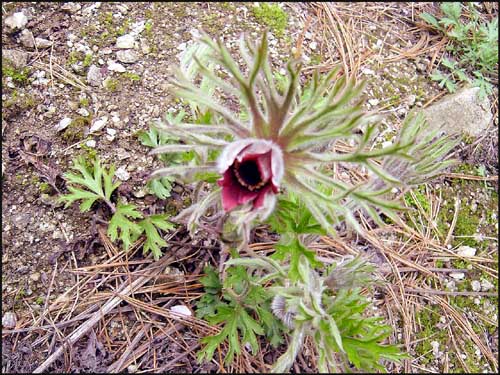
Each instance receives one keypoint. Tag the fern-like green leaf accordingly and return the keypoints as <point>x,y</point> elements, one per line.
<point>154,242</point>
<point>120,222</point>
<point>87,185</point>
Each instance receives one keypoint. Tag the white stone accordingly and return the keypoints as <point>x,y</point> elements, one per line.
<point>181,47</point>
<point>17,21</point>
<point>460,112</point>
<point>43,43</point>
<point>435,348</point>
<point>127,56</point>
<point>181,310</point>
<point>111,131</point>
<point>91,143</point>
<point>9,320</point>
<point>486,285</point>
<point>138,27</point>
<point>98,124</point>
<point>313,45</point>
<point>71,7</point>
<point>373,102</point>
<point>122,174</point>
<point>457,275</point>
<point>19,59</point>
<point>466,251</point>
<point>63,124</point>
<point>125,41</point>
<point>476,285</point>
<point>367,72</point>
<point>94,76</point>
<point>116,67</point>
<point>83,112</point>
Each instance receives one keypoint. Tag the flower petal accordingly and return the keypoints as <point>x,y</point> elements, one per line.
<point>233,194</point>
<point>226,158</point>
<point>259,201</point>
<point>277,165</point>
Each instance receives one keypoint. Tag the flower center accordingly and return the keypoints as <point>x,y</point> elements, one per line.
<point>248,175</point>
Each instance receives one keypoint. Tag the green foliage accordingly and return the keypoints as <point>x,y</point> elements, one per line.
<point>271,15</point>
<point>18,75</point>
<point>128,230</point>
<point>132,76</point>
<point>153,240</point>
<point>161,187</point>
<point>92,183</point>
<point>153,138</point>
<point>243,308</point>
<point>87,61</point>
<point>361,336</point>
<point>292,216</point>
<point>474,46</point>
<point>294,250</point>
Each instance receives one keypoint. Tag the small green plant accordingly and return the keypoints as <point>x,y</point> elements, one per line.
<point>18,75</point>
<point>111,84</point>
<point>243,308</point>
<point>162,186</point>
<point>84,102</point>
<point>87,61</point>
<point>473,49</point>
<point>93,183</point>
<point>148,28</point>
<point>132,76</point>
<point>271,15</point>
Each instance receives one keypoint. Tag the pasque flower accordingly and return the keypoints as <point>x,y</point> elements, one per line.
<point>252,169</point>
<point>283,138</point>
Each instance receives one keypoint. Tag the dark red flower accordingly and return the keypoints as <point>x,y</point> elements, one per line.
<point>252,170</point>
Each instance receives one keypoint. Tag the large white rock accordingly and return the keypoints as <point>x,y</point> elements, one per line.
<point>17,21</point>
<point>460,112</point>
<point>19,59</point>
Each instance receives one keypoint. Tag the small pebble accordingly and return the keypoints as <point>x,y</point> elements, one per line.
<point>476,285</point>
<point>367,72</point>
<point>98,124</point>
<point>457,275</point>
<point>63,124</point>
<point>83,112</point>
<point>181,309</point>
<point>122,174</point>
<point>9,320</point>
<point>91,143</point>
<point>125,41</point>
<point>486,285</point>
<point>466,251</point>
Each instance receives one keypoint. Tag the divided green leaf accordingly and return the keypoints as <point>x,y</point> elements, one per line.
<point>121,227</point>
<point>154,242</point>
<point>90,184</point>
